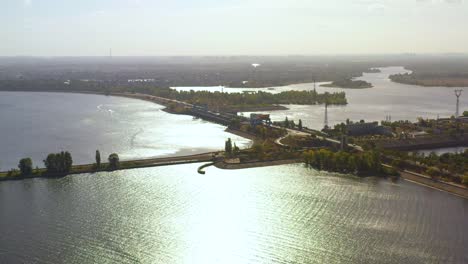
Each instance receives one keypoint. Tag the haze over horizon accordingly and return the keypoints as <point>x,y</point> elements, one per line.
<point>207,27</point>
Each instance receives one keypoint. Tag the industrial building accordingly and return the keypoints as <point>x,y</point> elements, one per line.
<point>371,128</point>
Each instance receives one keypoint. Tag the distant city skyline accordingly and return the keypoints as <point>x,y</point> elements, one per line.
<point>245,27</point>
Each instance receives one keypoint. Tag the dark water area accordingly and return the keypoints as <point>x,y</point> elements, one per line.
<point>35,124</point>
<point>283,214</point>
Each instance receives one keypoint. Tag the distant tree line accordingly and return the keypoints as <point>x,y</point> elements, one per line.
<point>220,100</point>
<point>212,99</point>
<point>455,163</point>
<point>58,164</point>
<point>289,123</point>
<point>349,83</point>
<point>432,79</point>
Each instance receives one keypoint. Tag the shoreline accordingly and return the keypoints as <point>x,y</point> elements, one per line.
<point>255,164</point>
<point>426,181</point>
<point>342,87</point>
<point>409,176</point>
<point>422,84</point>
<point>124,165</point>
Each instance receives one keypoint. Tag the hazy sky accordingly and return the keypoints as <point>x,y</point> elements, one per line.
<point>229,27</point>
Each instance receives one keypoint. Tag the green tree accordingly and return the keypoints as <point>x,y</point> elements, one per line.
<point>236,149</point>
<point>59,163</point>
<point>397,163</point>
<point>98,159</point>
<point>286,122</point>
<point>352,165</point>
<point>465,179</point>
<point>259,150</point>
<point>67,161</point>
<point>465,113</point>
<point>235,123</point>
<point>292,124</point>
<point>50,163</point>
<point>376,162</point>
<point>299,125</point>
<point>433,172</point>
<point>114,161</point>
<point>228,146</point>
<point>26,166</point>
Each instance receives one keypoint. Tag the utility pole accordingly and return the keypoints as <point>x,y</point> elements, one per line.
<point>458,94</point>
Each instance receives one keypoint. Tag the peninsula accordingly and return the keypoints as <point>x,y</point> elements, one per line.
<point>429,80</point>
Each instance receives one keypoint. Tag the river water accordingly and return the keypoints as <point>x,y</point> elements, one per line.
<point>35,124</point>
<point>281,214</point>
<point>386,98</point>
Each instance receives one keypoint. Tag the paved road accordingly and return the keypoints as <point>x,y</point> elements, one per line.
<point>308,132</point>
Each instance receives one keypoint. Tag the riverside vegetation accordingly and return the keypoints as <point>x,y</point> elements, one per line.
<point>324,156</point>
<point>350,84</point>
<point>61,164</point>
<point>218,100</point>
<point>451,167</point>
<point>367,163</point>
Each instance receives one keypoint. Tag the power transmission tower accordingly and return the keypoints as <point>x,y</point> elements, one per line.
<point>458,94</point>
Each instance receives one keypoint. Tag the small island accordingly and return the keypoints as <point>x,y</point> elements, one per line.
<point>349,84</point>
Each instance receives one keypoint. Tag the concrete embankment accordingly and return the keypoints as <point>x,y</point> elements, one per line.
<point>439,185</point>
<point>255,164</point>
<point>201,169</point>
<point>124,165</point>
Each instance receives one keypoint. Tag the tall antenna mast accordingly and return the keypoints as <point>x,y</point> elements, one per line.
<point>458,94</point>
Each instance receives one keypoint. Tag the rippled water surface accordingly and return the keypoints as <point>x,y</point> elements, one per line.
<point>283,214</point>
<point>35,124</point>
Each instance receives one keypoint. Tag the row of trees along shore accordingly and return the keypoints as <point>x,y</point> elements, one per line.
<point>447,166</point>
<point>256,98</point>
<point>203,97</point>
<point>57,164</point>
<point>363,164</point>
<point>289,123</point>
